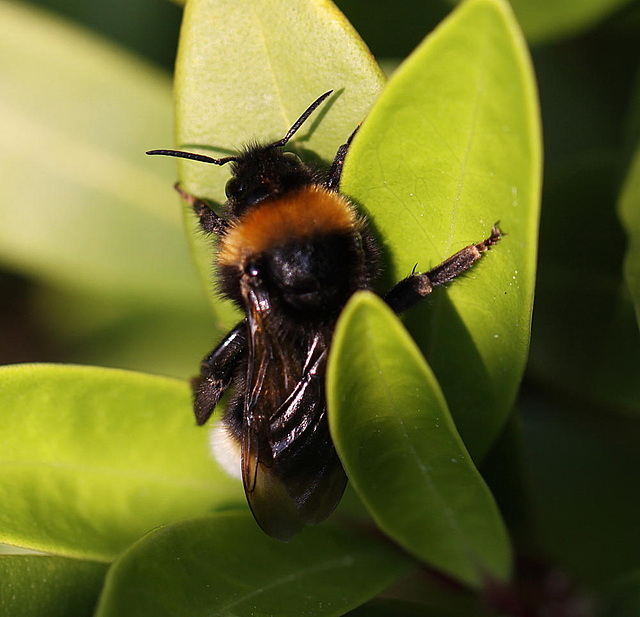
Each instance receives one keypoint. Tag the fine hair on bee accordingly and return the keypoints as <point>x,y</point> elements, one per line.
<point>291,250</point>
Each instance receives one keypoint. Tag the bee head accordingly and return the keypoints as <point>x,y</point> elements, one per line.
<point>259,171</point>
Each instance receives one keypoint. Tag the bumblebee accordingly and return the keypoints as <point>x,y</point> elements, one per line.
<point>291,250</point>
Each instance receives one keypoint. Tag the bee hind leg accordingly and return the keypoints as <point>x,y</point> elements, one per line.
<point>411,290</point>
<point>217,371</point>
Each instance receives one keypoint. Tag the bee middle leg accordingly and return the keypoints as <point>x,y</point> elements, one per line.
<point>412,289</point>
<point>209,220</point>
<point>216,372</point>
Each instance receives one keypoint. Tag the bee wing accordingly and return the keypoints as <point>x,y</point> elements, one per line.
<point>291,473</point>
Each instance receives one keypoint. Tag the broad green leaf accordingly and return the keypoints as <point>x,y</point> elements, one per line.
<point>246,70</point>
<point>629,209</point>
<point>93,458</point>
<point>82,206</point>
<point>451,147</point>
<point>45,586</point>
<point>225,565</point>
<point>545,21</point>
<point>401,451</point>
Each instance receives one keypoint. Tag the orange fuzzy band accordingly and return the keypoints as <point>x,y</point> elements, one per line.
<point>309,212</point>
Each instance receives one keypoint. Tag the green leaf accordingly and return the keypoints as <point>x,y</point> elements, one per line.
<point>629,209</point>
<point>225,565</point>
<point>452,146</point>
<point>93,458</point>
<point>401,451</point>
<point>82,207</point>
<point>44,586</point>
<point>246,70</point>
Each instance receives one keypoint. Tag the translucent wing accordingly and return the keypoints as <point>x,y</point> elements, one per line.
<point>292,475</point>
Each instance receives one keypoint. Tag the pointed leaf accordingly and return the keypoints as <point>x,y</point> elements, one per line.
<point>92,458</point>
<point>44,586</point>
<point>246,70</point>
<point>225,565</point>
<point>452,146</point>
<point>401,451</point>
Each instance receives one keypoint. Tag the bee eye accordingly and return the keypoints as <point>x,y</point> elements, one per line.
<point>251,269</point>
<point>233,188</point>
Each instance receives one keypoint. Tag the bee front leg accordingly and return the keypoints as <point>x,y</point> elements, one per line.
<point>216,372</point>
<point>209,220</point>
<point>335,172</point>
<point>417,286</point>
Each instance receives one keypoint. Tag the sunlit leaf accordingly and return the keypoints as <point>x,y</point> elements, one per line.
<point>451,147</point>
<point>401,450</point>
<point>93,458</point>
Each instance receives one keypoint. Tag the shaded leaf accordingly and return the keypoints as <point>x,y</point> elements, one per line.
<point>93,458</point>
<point>45,586</point>
<point>225,565</point>
<point>401,451</point>
<point>452,146</point>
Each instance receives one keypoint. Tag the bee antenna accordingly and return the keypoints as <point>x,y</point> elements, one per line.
<point>194,157</point>
<point>300,121</point>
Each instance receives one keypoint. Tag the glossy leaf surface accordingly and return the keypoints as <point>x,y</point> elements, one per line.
<point>225,565</point>
<point>93,458</point>
<point>451,147</point>
<point>401,450</point>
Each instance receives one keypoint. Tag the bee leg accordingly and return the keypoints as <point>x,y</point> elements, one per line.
<point>415,287</point>
<point>209,220</point>
<point>216,372</point>
<point>335,172</point>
